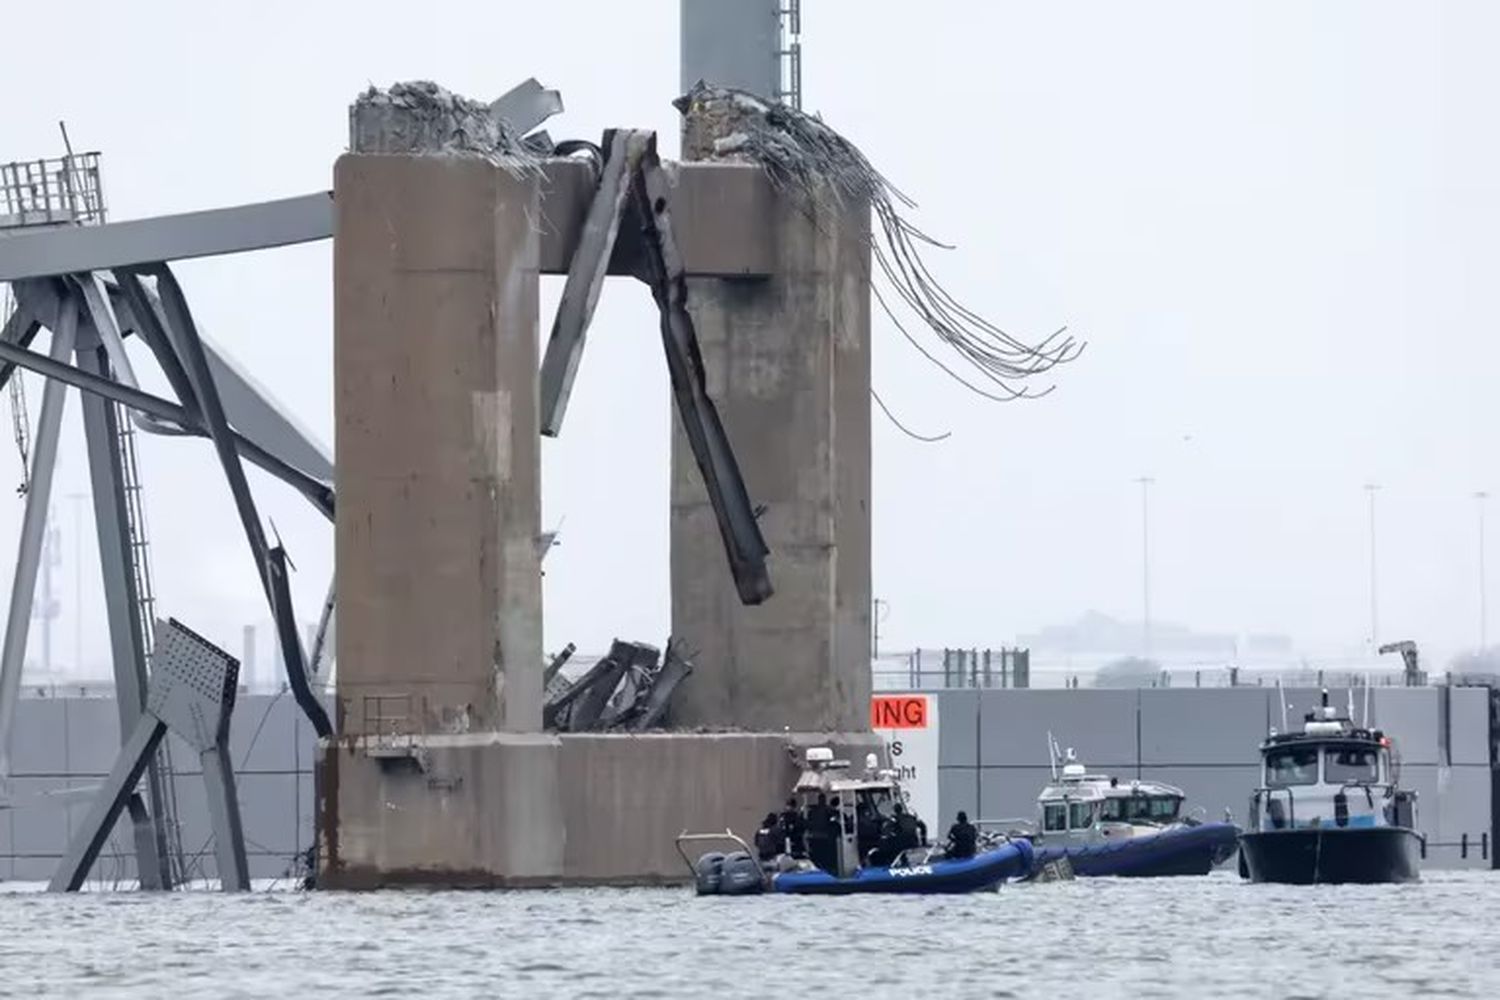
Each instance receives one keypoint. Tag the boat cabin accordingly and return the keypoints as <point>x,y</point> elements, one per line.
<point>1089,807</point>
<point>859,804</point>
<point>1332,773</point>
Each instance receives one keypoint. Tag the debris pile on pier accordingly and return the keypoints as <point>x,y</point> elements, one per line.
<point>630,689</point>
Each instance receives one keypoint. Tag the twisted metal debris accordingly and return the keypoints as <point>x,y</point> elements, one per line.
<point>799,152</point>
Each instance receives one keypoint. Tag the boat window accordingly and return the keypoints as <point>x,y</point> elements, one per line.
<point>1054,816</point>
<point>1164,808</point>
<point>1292,766</point>
<point>1345,764</point>
<point>1112,810</point>
<point>1081,815</point>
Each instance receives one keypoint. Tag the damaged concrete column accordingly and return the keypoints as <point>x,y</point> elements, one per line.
<point>435,320</point>
<point>440,774</point>
<point>788,364</point>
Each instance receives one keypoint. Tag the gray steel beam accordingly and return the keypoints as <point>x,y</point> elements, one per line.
<point>71,249</point>
<point>147,858</point>
<point>224,820</point>
<point>101,431</point>
<point>183,335</point>
<point>144,310</point>
<point>664,272</point>
<point>255,415</point>
<point>106,325</point>
<point>252,411</point>
<point>708,195</point>
<point>84,849</point>
<point>297,676</point>
<point>319,494</point>
<point>33,529</point>
<point>20,330</point>
<point>596,243</point>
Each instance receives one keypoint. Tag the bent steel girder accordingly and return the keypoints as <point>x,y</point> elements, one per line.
<point>317,493</point>
<point>20,330</point>
<point>182,334</point>
<point>142,242</point>
<point>623,149</point>
<point>252,411</point>
<point>663,270</point>
<point>117,558</point>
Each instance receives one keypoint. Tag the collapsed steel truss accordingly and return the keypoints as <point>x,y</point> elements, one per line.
<point>94,286</point>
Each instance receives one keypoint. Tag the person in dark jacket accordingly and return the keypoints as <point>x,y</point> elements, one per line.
<point>768,839</point>
<point>909,830</point>
<point>963,837</point>
<point>821,825</point>
<point>793,829</point>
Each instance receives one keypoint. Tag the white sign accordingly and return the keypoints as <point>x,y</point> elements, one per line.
<point>908,723</point>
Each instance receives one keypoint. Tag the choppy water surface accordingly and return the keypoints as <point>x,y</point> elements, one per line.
<point>1092,938</point>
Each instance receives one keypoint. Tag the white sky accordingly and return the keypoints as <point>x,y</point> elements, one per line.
<point>1272,221</point>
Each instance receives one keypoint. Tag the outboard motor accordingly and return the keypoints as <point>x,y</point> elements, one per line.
<point>740,875</point>
<point>708,873</point>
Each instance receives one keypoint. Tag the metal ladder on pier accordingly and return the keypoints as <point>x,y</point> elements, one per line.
<point>145,609</point>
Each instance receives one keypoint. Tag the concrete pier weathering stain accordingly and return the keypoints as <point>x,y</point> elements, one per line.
<point>440,773</point>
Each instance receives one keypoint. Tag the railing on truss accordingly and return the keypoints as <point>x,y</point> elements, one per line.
<point>57,192</point>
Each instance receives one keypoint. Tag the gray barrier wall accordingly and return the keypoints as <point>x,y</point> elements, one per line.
<point>992,758</point>
<point>64,747</point>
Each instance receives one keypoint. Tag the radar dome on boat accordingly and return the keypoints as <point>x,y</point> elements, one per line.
<point>819,755</point>
<point>1072,770</point>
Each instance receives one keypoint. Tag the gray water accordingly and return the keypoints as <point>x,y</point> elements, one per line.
<point>1083,940</point>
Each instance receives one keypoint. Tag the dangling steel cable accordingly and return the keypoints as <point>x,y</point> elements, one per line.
<point>800,153</point>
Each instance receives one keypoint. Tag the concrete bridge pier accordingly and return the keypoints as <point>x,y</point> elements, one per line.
<point>440,773</point>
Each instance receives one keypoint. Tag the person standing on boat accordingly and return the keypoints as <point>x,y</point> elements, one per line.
<point>820,832</point>
<point>963,837</point>
<point>793,829</point>
<point>768,839</point>
<point>910,830</point>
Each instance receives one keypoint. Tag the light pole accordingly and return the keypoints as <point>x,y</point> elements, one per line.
<point>1370,490</point>
<point>1479,501</point>
<point>1145,482</point>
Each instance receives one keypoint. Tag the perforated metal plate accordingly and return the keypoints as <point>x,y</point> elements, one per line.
<point>193,684</point>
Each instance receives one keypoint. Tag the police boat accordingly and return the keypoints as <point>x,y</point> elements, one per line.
<point>1329,807</point>
<point>831,843</point>
<point>1104,826</point>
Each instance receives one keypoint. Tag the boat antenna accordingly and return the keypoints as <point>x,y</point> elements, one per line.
<point>1367,701</point>
<point>1351,706</point>
<point>1281,697</point>
<point>1052,754</point>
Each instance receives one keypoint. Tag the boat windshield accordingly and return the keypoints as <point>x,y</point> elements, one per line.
<point>1141,808</point>
<point>1343,765</point>
<point>1054,816</point>
<point>1292,766</point>
<point>1081,815</point>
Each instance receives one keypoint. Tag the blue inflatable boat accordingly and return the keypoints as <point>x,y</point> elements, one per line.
<point>1013,860</point>
<point>1175,850</point>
